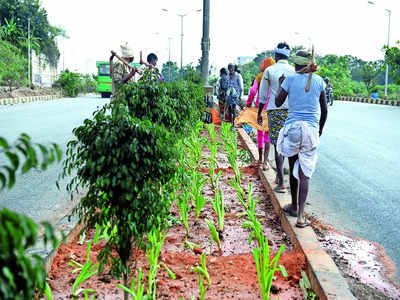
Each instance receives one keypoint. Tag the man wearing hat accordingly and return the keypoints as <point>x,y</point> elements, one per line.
<point>121,74</point>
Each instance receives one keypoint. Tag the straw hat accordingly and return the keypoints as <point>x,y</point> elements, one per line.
<point>126,51</point>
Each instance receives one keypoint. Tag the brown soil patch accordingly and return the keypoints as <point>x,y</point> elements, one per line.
<point>232,270</point>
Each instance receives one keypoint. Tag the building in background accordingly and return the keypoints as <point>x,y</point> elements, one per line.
<point>43,74</point>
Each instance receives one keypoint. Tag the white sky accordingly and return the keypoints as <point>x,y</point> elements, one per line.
<point>237,28</point>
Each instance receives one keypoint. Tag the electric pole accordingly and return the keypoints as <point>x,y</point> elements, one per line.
<point>29,52</point>
<point>205,41</point>
<point>182,16</point>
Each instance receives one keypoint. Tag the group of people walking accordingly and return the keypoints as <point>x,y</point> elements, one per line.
<point>296,105</point>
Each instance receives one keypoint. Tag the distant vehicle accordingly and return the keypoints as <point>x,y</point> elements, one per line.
<point>104,82</point>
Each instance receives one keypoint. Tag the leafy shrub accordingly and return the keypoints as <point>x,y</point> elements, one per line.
<point>176,105</point>
<point>126,166</point>
<point>70,83</point>
<point>21,275</point>
<point>13,66</point>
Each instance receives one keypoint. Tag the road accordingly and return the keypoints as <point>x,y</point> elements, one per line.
<point>35,194</point>
<point>356,186</point>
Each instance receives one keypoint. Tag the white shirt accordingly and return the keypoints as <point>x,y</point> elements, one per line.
<point>270,79</point>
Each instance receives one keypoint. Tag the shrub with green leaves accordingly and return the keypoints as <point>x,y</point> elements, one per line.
<point>176,105</point>
<point>126,166</point>
<point>70,83</point>
<point>13,66</point>
<point>21,275</point>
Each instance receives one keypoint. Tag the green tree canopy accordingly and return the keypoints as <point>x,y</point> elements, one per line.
<point>13,66</point>
<point>17,12</point>
<point>392,57</point>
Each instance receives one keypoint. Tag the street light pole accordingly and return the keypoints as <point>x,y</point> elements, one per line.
<point>388,41</point>
<point>182,16</point>
<point>205,41</point>
<point>169,58</point>
<point>29,52</point>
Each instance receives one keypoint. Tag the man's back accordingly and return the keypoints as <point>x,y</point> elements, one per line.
<point>272,74</point>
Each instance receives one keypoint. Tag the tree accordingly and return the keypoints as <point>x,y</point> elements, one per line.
<point>369,71</point>
<point>13,66</point>
<point>43,33</point>
<point>125,157</point>
<point>170,71</point>
<point>70,83</point>
<point>392,57</point>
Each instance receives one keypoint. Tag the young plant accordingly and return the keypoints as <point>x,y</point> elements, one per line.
<point>137,289</point>
<point>203,274</point>
<point>196,191</point>
<point>267,267</point>
<point>214,234</point>
<point>305,285</point>
<point>183,207</point>
<point>86,271</point>
<point>156,240</point>
<point>230,143</point>
<point>251,221</point>
<point>218,203</point>
<point>212,146</point>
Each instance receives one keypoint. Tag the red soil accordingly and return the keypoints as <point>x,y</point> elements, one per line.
<point>232,270</point>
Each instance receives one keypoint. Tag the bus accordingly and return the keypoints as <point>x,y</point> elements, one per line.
<point>104,82</point>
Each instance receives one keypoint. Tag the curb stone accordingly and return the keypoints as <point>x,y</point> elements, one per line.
<point>71,229</point>
<point>22,100</point>
<point>325,278</point>
<point>370,100</point>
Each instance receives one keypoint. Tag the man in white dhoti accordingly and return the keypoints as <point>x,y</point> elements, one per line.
<point>299,138</point>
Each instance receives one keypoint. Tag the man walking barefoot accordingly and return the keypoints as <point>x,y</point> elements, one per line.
<point>299,138</point>
<point>276,116</point>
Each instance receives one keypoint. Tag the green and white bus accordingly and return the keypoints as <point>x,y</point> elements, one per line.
<point>104,82</point>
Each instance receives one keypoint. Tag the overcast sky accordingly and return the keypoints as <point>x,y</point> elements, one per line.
<point>237,28</point>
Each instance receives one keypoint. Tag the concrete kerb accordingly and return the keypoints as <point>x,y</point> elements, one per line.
<point>370,100</point>
<point>21,100</point>
<point>70,227</point>
<point>325,277</point>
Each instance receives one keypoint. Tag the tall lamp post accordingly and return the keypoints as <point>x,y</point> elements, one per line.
<point>181,16</point>
<point>388,41</point>
<point>29,51</point>
<point>205,41</point>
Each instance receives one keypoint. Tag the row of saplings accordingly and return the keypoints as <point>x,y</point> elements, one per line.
<point>125,158</point>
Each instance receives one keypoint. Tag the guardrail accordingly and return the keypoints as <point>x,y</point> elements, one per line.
<point>370,100</point>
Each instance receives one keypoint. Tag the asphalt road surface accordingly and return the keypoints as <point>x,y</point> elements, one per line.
<point>35,193</point>
<point>356,186</point>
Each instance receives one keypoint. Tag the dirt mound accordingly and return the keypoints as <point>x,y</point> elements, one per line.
<point>26,92</point>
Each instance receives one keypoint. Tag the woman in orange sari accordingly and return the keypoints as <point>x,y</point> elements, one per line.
<point>262,135</point>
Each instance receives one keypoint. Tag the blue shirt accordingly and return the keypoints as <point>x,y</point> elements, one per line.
<point>303,106</point>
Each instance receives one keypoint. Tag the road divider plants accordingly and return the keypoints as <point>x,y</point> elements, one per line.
<point>203,275</point>
<point>218,203</point>
<point>266,267</point>
<point>214,234</point>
